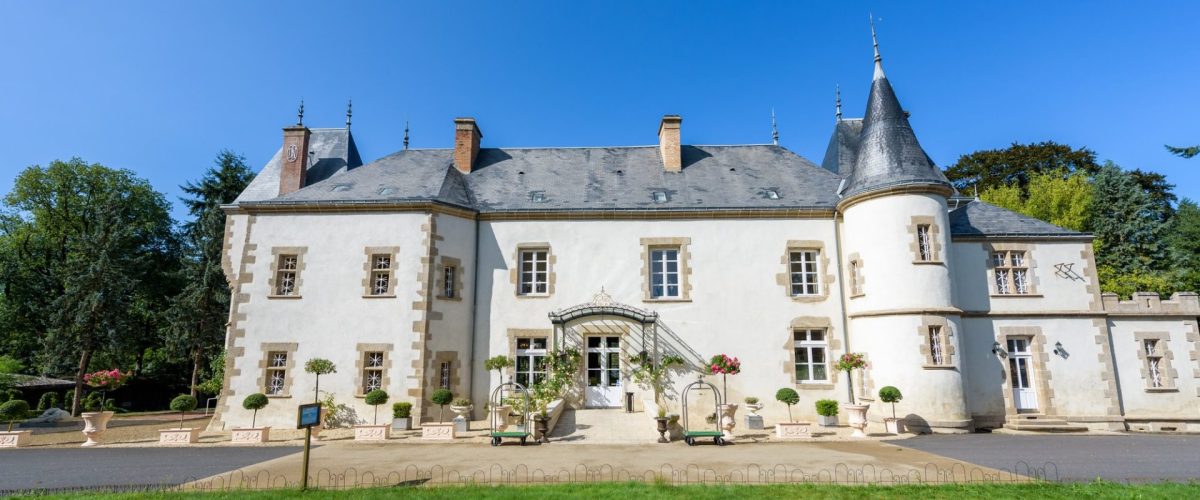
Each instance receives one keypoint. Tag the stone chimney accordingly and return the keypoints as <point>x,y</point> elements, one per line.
<point>295,159</point>
<point>466,144</point>
<point>668,143</point>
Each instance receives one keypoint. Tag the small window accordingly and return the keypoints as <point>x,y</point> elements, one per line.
<point>448,273</point>
<point>924,246</point>
<point>772,194</point>
<point>1011,273</point>
<point>530,361</point>
<point>1153,362</point>
<point>372,375</point>
<point>534,272</point>
<point>276,375</point>
<point>803,270</point>
<point>855,281</point>
<point>286,270</point>
<point>664,273</point>
<point>381,274</point>
<point>660,197</point>
<point>444,376</point>
<point>936,349</point>
<point>537,196</point>
<point>810,348</point>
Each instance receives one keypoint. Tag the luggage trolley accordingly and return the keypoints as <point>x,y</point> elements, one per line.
<point>498,424</point>
<point>689,435</point>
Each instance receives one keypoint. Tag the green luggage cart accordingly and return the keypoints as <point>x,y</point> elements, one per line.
<point>691,435</point>
<point>498,426</point>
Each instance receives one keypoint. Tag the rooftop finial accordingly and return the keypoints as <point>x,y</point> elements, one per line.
<point>406,135</point>
<point>349,112</point>
<point>300,114</point>
<point>878,59</point>
<point>774,129</point>
<point>838,91</point>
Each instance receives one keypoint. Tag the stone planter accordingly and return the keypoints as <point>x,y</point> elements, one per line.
<point>894,425</point>
<point>857,416</point>
<point>754,408</point>
<point>254,435</point>
<point>828,420</point>
<point>14,439</point>
<point>402,424</point>
<point>94,425</point>
<point>437,431</point>
<point>499,417</point>
<point>728,421</point>
<point>674,430</point>
<point>183,436</point>
<point>372,432</point>
<point>462,421</point>
<point>793,430</point>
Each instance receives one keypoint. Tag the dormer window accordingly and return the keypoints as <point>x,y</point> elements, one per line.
<point>537,196</point>
<point>660,197</point>
<point>772,194</point>
<point>337,188</point>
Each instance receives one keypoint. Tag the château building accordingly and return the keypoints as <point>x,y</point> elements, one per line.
<point>409,271</point>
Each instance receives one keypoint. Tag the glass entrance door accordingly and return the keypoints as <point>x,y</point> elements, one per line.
<point>603,372</point>
<point>1020,373</point>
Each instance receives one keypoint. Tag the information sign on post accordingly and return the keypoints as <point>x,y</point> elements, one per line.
<point>307,417</point>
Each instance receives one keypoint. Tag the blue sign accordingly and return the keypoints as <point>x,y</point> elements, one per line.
<point>309,415</point>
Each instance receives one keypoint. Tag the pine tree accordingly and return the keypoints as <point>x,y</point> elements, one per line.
<point>1129,231</point>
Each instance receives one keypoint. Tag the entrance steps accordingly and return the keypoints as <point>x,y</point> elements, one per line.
<point>604,426</point>
<point>1041,423</point>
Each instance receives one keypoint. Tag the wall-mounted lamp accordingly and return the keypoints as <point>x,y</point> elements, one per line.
<point>1059,351</point>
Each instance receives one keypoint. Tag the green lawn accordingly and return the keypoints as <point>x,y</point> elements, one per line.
<point>626,491</point>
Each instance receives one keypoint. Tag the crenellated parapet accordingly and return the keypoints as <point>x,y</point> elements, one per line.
<point>1142,303</point>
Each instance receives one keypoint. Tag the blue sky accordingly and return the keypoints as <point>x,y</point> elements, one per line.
<point>160,87</point>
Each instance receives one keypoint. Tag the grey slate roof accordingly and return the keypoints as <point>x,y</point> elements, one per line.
<point>843,146</point>
<point>978,218</point>
<point>333,150</point>
<point>888,152</point>
<point>602,178</point>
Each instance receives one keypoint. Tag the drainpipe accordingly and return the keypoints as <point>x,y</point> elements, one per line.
<point>474,310</point>
<point>837,244</point>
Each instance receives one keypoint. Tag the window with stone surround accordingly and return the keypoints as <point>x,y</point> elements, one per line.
<point>1010,273</point>
<point>936,346</point>
<point>854,273</point>
<point>534,272</point>
<point>381,274</point>
<point>811,355</point>
<point>372,375</point>
<point>802,267</point>
<point>664,273</point>
<point>287,274</point>
<point>276,373</point>
<point>444,375</point>
<point>1155,355</point>
<point>530,360</point>
<point>924,246</point>
<point>448,284</point>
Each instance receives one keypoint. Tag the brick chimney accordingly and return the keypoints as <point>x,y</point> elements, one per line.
<point>466,144</point>
<point>295,159</point>
<point>668,143</point>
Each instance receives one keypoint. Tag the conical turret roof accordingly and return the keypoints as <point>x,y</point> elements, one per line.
<point>888,152</point>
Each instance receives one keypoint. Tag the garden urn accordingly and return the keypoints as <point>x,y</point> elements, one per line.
<point>94,425</point>
<point>754,407</point>
<point>499,417</point>
<point>857,416</point>
<point>727,420</point>
<point>662,429</point>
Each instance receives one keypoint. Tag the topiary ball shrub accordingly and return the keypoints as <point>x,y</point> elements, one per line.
<point>890,394</point>
<point>14,409</point>
<point>376,398</point>
<point>255,402</point>
<point>827,408</point>
<point>789,397</point>
<point>47,401</point>
<point>402,409</point>
<point>441,397</point>
<point>183,403</point>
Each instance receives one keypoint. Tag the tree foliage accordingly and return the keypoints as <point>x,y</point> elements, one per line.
<point>1184,152</point>
<point>1016,164</point>
<point>1129,232</point>
<point>1061,199</point>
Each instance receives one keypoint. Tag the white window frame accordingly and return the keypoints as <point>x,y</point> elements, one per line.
<point>802,341</point>
<point>381,273</point>
<point>373,365</point>
<point>1011,275</point>
<point>277,362</point>
<point>924,242</point>
<point>287,275</point>
<point>449,289</point>
<point>1154,363</point>
<point>536,280</point>
<point>532,355</point>
<point>937,349</point>
<point>661,259</point>
<point>804,282</point>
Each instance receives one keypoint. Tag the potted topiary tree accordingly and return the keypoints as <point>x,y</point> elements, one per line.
<point>252,434</point>
<point>790,429</point>
<point>725,366</point>
<point>892,395</point>
<point>440,430</point>
<point>401,416</point>
<point>318,367</point>
<point>13,410</point>
<point>827,409</point>
<point>855,413</point>
<point>374,432</point>
<point>182,404</point>
<point>498,363</point>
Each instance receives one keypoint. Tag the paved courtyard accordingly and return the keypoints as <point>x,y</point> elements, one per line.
<point>1128,457</point>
